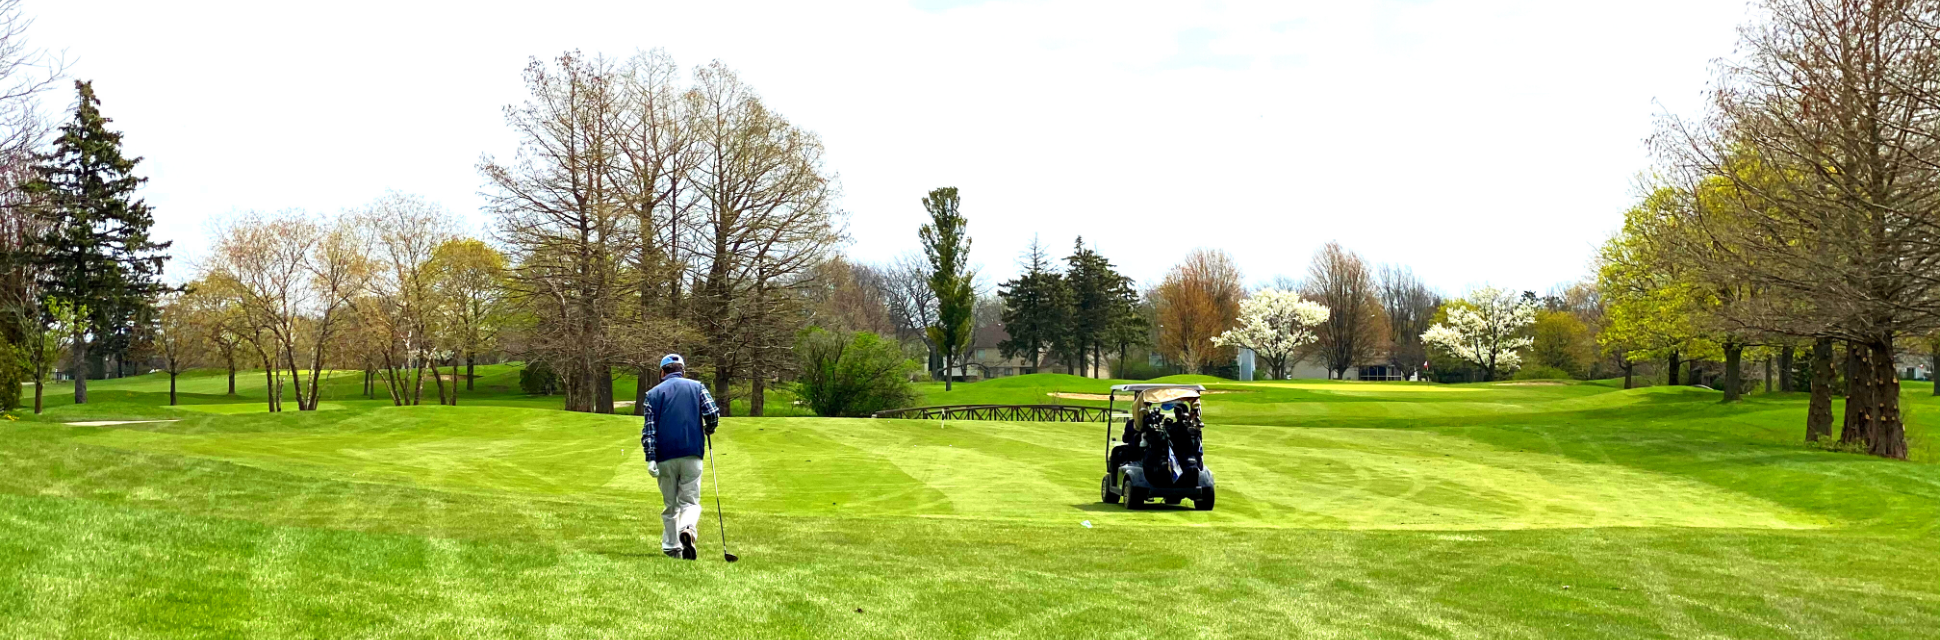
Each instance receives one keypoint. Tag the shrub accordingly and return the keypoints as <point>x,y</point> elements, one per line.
<point>14,372</point>
<point>1540,372</point>
<point>853,374</point>
<point>1140,369</point>
<point>538,378</point>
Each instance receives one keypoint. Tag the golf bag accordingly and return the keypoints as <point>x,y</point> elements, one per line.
<point>1186,446</point>
<point>1161,465</point>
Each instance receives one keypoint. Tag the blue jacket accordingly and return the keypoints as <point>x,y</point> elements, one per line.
<point>675,410</point>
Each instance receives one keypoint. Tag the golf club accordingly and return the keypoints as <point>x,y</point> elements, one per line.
<point>718,516</point>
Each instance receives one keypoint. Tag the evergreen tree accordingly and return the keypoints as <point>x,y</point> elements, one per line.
<point>1037,306</point>
<point>95,249</point>
<point>1102,309</point>
<point>946,244</point>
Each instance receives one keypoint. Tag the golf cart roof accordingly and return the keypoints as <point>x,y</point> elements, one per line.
<point>1161,393</point>
<point>1148,387</point>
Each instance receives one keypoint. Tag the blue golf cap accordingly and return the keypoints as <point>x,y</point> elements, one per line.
<point>672,358</point>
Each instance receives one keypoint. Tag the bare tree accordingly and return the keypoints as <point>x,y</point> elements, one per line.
<point>656,158</point>
<point>1410,306</point>
<point>912,305</point>
<point>407,232</point>
<point>175,337</point>
<point>559,214</point>
<point>1356,331</point>
<point>469,282</point>
<point>1198,300</point>
<point>847,297</point>
<point>767,215</point>
<point>290,277</point>
<point>26,71</point>
<point>340,269</point>
<point>259,263</point>
<point>1824,132</point>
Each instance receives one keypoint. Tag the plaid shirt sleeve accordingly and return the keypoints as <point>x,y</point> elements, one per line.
<point>647,432</point>
<point>707,404</point>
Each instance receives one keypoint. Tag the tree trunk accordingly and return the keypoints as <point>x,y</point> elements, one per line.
<point>1734,355</point>
<point>270,388</point>
<point>438,379</point>
<point>1888,433</point>
<point>1672,376</point>
<point>602,390</point>
<point>1629,368</point>
<point>38,389</point>
<point>1785,365</point>
<point>171,388</point>
<point>454,382</point>
<point>1768,374</point>
<point>296,380</point>
<point>316,374</point>
<point>471,372</point>
<point>232,376</point>
<point>722,380</point>
<point>1933,369</point>
<point>80,372</point>
<point>417,383</point>
<point>1818,413</point>
<point>392,385</point>
<point>1857,429</point>
<point>757,395</point>
<point>947,376</point>
<point>642,383</point>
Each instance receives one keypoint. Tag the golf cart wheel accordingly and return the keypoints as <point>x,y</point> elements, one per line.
<point>1136,496</point>
<point>1105,494</point>
<point>1205,500</point>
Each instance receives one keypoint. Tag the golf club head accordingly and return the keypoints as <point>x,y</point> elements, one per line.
<point>731,557</point>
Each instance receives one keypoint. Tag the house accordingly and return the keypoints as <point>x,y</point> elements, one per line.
<point>1312,369</point>
<point>986,360</point>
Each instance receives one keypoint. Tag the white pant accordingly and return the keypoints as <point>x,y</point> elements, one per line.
<point>680,488</point>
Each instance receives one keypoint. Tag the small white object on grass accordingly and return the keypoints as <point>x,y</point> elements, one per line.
<point>1086,523</point>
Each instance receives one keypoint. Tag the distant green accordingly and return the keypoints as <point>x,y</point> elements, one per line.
<point>1347,510</point>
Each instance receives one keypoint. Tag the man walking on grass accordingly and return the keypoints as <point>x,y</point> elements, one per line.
<point>680,416</point>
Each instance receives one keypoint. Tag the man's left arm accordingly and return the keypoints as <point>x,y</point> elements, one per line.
<point>647,434</point>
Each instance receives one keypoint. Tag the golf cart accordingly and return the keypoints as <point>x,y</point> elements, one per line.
<point>1159,455</point>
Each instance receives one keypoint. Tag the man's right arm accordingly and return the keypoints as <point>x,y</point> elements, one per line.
<point>710,413</point>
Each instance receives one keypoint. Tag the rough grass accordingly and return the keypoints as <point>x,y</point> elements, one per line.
<point>1346,510</point>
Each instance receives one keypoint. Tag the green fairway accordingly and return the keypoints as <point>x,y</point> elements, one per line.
<point>1347,510</point>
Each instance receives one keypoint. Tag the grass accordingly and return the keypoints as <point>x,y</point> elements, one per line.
<point>1347,510</point>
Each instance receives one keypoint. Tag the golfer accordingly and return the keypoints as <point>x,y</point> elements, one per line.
<point>680,416</point>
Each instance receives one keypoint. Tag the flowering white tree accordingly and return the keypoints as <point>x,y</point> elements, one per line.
<point>1274,323</point>
<point>1487,330</point>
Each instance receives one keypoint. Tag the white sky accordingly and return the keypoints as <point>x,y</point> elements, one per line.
<point>1480,141</point>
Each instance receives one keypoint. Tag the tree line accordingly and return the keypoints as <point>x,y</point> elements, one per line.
<point>1797,214</point>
